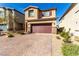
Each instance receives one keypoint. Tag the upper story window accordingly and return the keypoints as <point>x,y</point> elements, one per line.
<point>46,13</point>
<point>31,13</point>
<point>1,13</point>
<point>2,20</point>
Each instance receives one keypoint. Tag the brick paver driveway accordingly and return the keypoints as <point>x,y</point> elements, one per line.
<point>29,44</point>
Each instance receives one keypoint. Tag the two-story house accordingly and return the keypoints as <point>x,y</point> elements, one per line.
<point>70,19</point>
<point>11,19</point>
<point>40,21</point>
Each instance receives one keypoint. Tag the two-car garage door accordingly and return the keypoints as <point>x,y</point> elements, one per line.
<point>41,28</point>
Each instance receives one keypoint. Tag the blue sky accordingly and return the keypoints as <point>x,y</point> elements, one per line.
<point>61,7</point>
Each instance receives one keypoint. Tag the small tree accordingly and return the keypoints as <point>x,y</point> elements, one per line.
<point>66,36</point>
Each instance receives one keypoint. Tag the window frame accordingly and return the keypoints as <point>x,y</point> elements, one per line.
<point>1,14</point>
<point>46,12</point>
<point>29,13</point>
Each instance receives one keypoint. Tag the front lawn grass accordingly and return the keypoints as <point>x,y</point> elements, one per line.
<point>69,49</point>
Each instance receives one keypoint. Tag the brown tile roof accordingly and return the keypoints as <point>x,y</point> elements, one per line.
<point>8,8</point>
<point>38,8</point>
<point>31,7</point>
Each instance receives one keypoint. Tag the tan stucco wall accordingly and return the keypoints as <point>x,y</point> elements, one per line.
<point>37,17</point>
<point>70,19</point>
<point>54,30</point>
<point>11,15</point>
<point>19,17</point>
<point>38,13</point>
<point>19,24</point>
<point>53,14</point>
<point>35,13</point>
<point>9,18</point>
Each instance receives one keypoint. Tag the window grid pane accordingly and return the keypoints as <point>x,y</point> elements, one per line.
<point>31,13</point>
<point>47,13</point>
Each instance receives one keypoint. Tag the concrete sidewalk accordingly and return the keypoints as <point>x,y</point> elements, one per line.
<point>56,46</point>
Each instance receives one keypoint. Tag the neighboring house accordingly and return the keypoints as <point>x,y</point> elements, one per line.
<point>40,21</point>
<point>11,19</point>
<point>70,20</point>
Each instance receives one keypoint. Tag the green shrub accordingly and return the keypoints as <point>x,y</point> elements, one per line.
<point>10,34</point>
<point>59,30</point>
<point>66,36</point>
<point>63,34</point>
<point>70,49</point>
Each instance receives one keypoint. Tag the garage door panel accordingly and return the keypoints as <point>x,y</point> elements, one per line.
<point>41,28</point>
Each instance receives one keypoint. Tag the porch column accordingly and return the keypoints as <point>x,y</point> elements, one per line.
<point>53,39</point>
<point>28,27</point>
<point>25,27</point>
<point>54,29</point>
